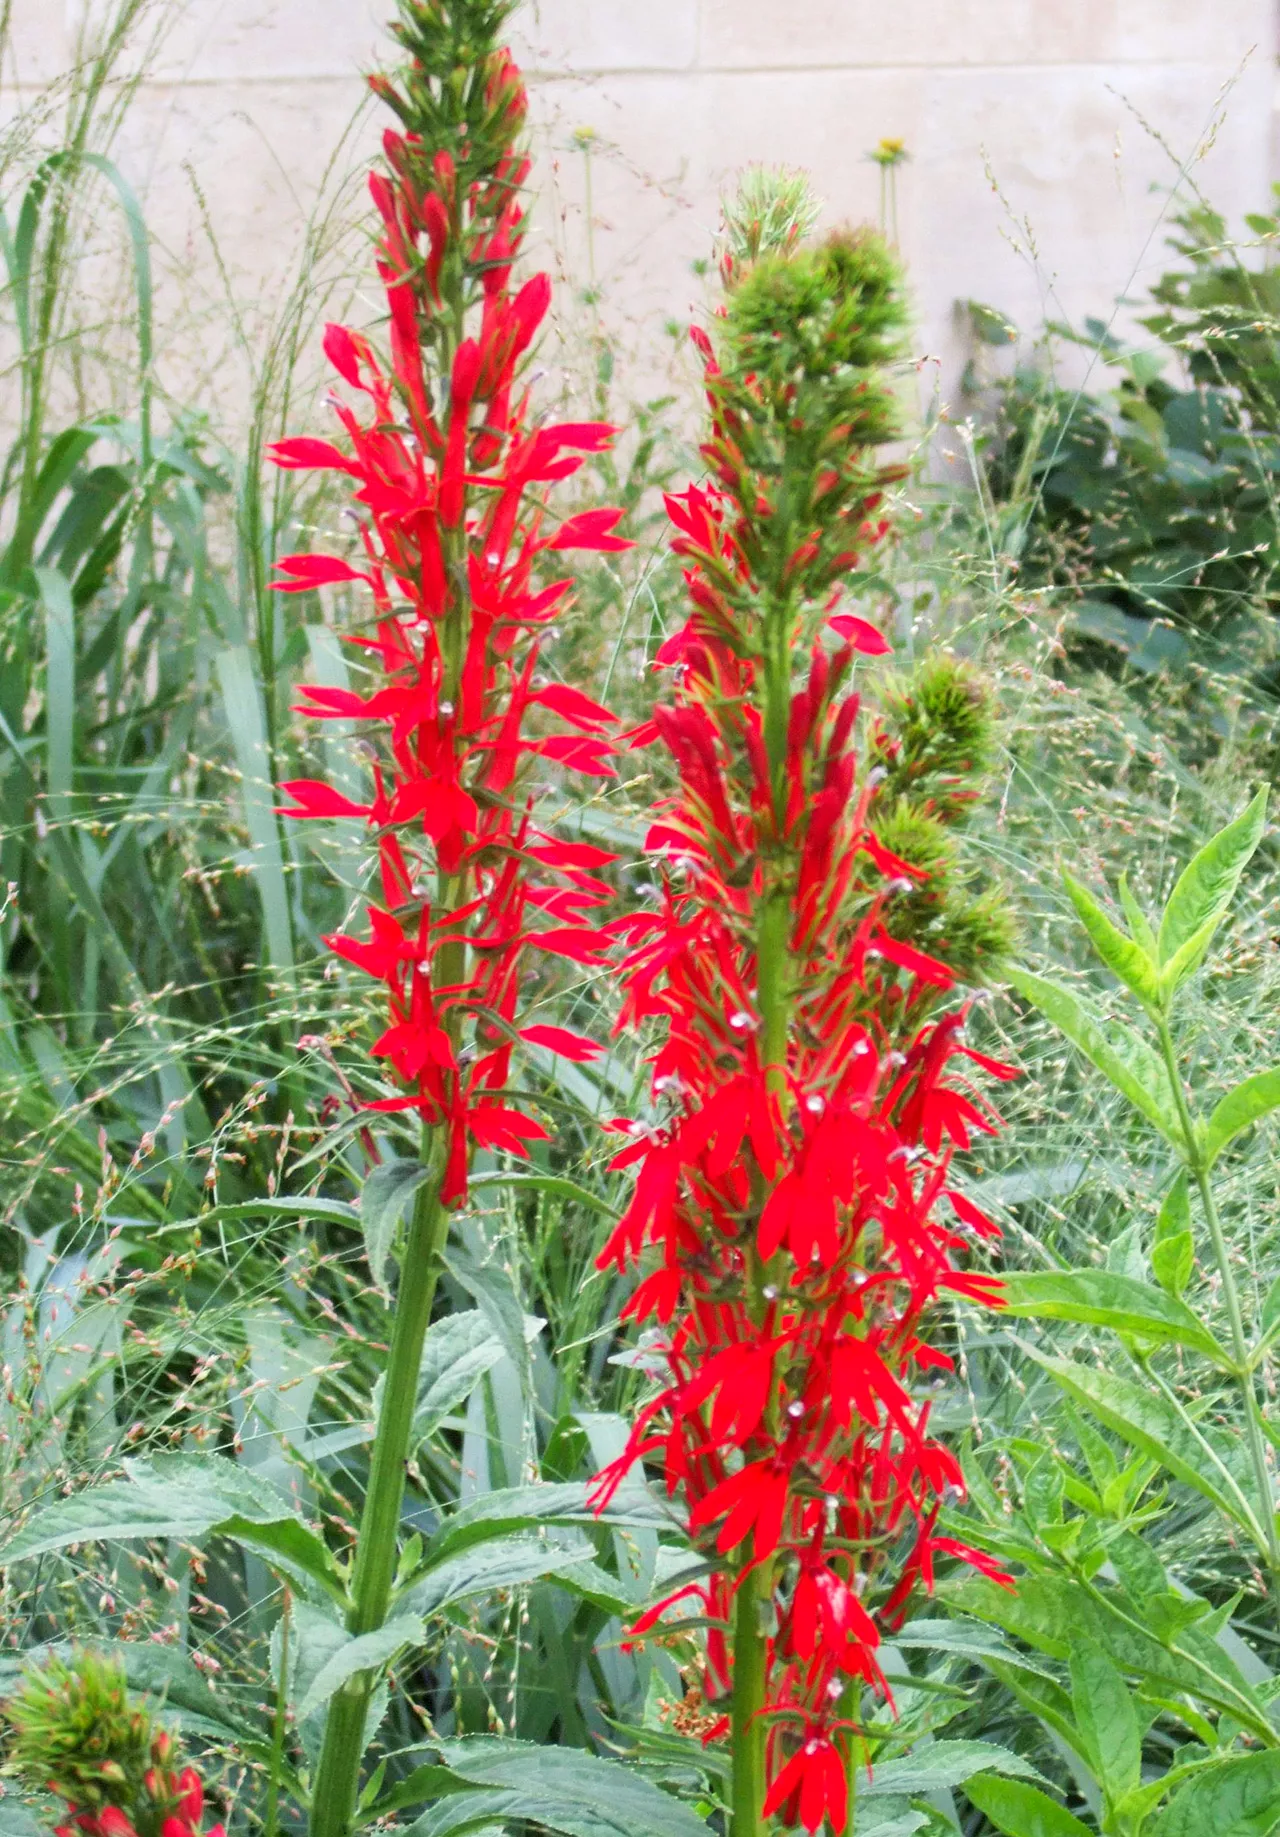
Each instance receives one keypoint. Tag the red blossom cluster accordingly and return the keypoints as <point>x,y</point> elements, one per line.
<point>450,479</point>
<point>793,1211</point>
<point>171,1803</point>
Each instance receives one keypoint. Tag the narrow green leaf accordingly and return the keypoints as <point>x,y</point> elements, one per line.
<point>1270,1319</point>
<point>1239,1109</point>
<point>964,1639</point>
<point>60,689</point>
<point>546,1183</point>
<point>246,723</point>
<point>1106,1718</point>
<point>1173,1254</point>
<point>1097,1297</point>
<point>364,1652</point>
<point>1148,1422</point>
<point>1131,1065</point>
<point>1139,924</point>
<point>1241,1798</point>
<point>1128,960</point>
<point>1022,1810</point>
<point>1207,886</point>
<point>523,1508</point>
<point>384,1199</point>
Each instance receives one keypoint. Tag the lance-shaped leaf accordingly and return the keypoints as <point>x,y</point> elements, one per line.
<point>1099,1298</point>
<point>1120,1055</point>
<point>384,1199</point>
<point>1022,1810</point>
<point>525,1508</point>
<point>561,1789</point>
<point>1107,1719</point>
<point>1139,924</point>
<point>1173,1254</point>
<point>938,1765</point>
<point>1121,954</point>
<point>362,1652</point>
<point>186,1497</point>
<point>1205,889</point>
<point>505,1563</point>
<point>1239,1110</point>
<point>965,1639</point>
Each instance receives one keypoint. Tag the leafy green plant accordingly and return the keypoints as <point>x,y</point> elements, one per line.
<point>1144,1653</point>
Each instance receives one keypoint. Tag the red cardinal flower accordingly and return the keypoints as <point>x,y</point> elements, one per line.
<point>786,1215</point>
<point>449,615</point>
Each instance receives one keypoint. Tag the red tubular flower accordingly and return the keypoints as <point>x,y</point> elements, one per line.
<point>787,1203</point>
<point>451,538</point>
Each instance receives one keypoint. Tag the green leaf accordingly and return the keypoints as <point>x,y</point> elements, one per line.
<point>1106,1718</point>
<point>362,1652</point>
<point>1139,924</point>
<point>424,1783</point>
<point>1021,1810</point>
<point>1148,1422</point>
<point>525,1508</point>
<point>964,1639</point>
<point>384,1198</point>
<point>1205,890</point>
<point>1269,1321</point>
<point>247,725</point>
<point>1129,961</point>
<point>458,1351</point>
<point>505,1563</point>
<point>938,1765</point>
<point>1238,1110</point>
<point>1239,1799</point>
<point>563,1789</point>
<point>1131,1065</point>
<point>1173,1255</point>
<point>1096,1297</point>
<point>186,1497</point>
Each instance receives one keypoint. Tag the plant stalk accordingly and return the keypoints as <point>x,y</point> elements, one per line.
<point>337,1785</point>
<point>1231,1296</point>
<point>747,1730</point>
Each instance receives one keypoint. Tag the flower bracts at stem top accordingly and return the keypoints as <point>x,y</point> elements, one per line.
<point>450,478</point>
<point>78,1733</point>
<point>792,1209</point>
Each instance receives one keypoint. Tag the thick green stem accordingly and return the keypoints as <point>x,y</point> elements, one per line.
<point>333,1801</point>
<point>749,1679</point>
<point>1235,1318</point>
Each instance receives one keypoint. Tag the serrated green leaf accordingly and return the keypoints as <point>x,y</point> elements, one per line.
<point>1239,1110</point>
<point>424,1783</point>
<point>505,1563</point>
<point>1127,959</point>
<point>1173,1254</point>
<point>964,1639</point>
<point>524,1508</point>
<point>359,1653</point>
<point>1205,890</point>
<point>384,1199</point>
<point>563,1789</point>
<point>1239,1799</point>
<point>1097,1297</point>
<point>1136,1071</point>
<point>458,1352</point>
<point>1022,1810</point>
<point>939,1765</point>
<point>1106,1718</point>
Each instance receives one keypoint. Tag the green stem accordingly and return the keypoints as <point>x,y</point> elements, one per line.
<point>1231,1296</point>
<point>749,1679</point>
<point>337,1785</point>
<point>279,1727</point>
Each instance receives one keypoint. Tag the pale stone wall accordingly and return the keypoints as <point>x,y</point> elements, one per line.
<point>1059,102</point>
